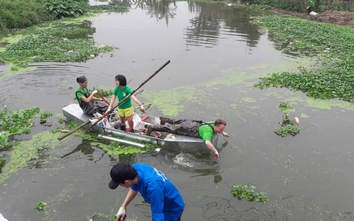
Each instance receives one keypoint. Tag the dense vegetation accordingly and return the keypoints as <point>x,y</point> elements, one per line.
<point>22,14</point>
<point>60,43</point>
<point>16,122</point>
<point>300,5</point>
<point>51,41</point>
<point>334,48</point>
<point>26,13</point>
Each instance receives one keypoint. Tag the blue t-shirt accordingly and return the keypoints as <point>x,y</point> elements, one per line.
<point>165,200</point>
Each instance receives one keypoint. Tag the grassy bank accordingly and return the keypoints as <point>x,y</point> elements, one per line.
<point>300,6</point>
<point>334,48</point>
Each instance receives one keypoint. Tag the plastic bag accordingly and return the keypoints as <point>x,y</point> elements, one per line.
<point>102,123</point>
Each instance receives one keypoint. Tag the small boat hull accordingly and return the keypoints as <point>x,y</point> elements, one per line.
<point>171,142</point>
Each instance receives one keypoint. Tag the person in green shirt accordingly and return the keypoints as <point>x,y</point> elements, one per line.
<point>310,6</point>
<point>125,109</point>
<point>87,101</point>
<point>192,128</point>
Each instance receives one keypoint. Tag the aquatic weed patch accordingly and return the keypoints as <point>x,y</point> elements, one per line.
<point>110,147</point>
<point>120,7</point>
<point>58,42</point>
<point>247,192</point>
<point>334,45</point>
<point>18,122</point>
<point>40,206</point>
<point>116,148</point>
<point>27,151</point>
<point>287,126</point>
<point>284,106</point>
<point>15,122</point>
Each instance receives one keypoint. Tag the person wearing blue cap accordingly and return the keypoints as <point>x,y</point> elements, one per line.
<point>165,200</point>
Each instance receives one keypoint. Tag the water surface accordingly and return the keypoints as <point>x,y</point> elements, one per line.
<point>216,56</point>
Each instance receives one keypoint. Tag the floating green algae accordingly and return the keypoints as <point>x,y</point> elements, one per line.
<point>26,151</point>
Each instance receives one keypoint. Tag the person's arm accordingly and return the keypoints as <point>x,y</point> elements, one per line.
<point>138,103</point>
<point>130,196</point>
<point>206,133</point>
<point>212,148</point>
<point>122,210</point>
<point>225,134</point>
<point>111,103</point>
<point>91,97</point>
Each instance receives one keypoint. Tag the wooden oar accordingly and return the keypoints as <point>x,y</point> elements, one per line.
<point>88,121</point>
<point>142,84</point>
<point>103,98</point>
<point>73,131</point>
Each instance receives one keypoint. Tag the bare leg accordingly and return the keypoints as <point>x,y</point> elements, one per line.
<point>122,122</point>
<point>130,122</point>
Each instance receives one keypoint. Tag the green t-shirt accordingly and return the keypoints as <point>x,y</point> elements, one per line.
<point>121,94</point>
<point>79,93</point>
<point>206,132</point>
<point>311,3</point>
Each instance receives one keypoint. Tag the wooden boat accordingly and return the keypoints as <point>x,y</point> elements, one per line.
<point>169,141</point>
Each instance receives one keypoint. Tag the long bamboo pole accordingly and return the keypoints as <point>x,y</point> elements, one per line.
<point>100,118</point>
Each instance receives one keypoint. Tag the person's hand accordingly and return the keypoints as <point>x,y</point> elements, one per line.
<point>142,109</point>
<point>121,214</point>
<point>108,110</point>
<point>225,134</point>
<point>216,155</point>
<point>94,92</point>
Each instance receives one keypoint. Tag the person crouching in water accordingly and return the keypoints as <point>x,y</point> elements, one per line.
<point>125,109</point>
<point>88,103</point>
<point>192,128</point>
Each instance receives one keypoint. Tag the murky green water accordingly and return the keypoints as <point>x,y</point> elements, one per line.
<point>216,56</point>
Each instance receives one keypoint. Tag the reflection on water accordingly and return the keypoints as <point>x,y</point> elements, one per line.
<point>210,23</point>
<point>220,209</point>
<point>84,147</point>
<point>214,22</point>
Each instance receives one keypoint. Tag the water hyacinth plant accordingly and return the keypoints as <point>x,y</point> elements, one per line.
<point>57,41</point>
<point>334,48</point>
<point>247,192</point>
<point>284,106</point>
<point>286,129</point>
<point>287,126</point>
<point>17,122</point>
<point>40,206</point>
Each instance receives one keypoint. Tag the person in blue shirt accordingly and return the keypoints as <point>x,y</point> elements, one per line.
<point>165,200</point>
